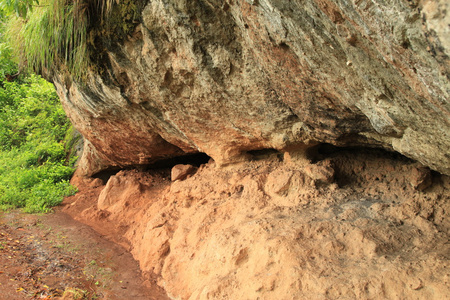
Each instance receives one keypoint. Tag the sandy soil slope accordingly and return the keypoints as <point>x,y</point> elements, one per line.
<point>348,224</point>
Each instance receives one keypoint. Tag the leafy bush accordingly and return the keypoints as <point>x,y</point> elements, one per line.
<point>34,166</point>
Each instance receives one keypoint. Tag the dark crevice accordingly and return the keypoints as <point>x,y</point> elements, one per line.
<point>284,46</point>
<point>106,174</point>
<point>162,165</point>
<point>195,159</point>
<point>325,150</point>
<point>264,153</point>
<point>354,165</point>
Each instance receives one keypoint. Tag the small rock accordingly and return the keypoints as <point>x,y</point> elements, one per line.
<point>420,178</point>
<point>323,171</point>
<point>180,172</point>
<point>279,181</point>
<point>416,284</point>
<point>96,182</point>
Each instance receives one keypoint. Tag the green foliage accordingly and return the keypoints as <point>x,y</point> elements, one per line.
<point>122,19</point>
<point>7,65</point>
<point>34,166</point>
<point>20,7</point>
<point>67,33</point>
<point>54,32</point>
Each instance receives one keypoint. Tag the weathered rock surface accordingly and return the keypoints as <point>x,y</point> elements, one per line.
<point>226,77</point>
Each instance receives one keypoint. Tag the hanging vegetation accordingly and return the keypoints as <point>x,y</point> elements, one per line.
<point>65,33</point>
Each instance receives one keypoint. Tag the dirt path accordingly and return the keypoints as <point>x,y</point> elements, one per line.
<point>53,256</point>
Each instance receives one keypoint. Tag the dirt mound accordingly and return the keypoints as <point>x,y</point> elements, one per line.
<point>350,224</point>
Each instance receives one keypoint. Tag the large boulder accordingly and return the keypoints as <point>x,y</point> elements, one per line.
<point>228,77</point>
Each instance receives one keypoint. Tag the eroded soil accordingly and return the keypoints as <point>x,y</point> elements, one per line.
<point>345,224</point>
<point>54,257</point>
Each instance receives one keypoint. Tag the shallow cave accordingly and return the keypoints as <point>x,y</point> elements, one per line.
<point>195,159</point>
<point>325,150</point>
<point>163,165</point>
<point>261,154</point>
<point>356,165</point>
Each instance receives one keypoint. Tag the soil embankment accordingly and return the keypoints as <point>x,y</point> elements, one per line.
<point>352,223</point>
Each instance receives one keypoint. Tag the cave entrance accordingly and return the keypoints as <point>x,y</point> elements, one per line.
<point>195,159</point>
<point>161,165</point>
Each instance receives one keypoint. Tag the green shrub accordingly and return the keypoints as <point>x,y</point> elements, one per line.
<point>34,164</point>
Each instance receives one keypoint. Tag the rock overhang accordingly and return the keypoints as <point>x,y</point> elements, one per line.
<point>225,78</point>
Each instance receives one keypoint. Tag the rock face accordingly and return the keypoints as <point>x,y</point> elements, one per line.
<point>227,77</point>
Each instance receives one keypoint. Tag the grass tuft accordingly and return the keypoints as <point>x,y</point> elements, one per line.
<point>55,33</point>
